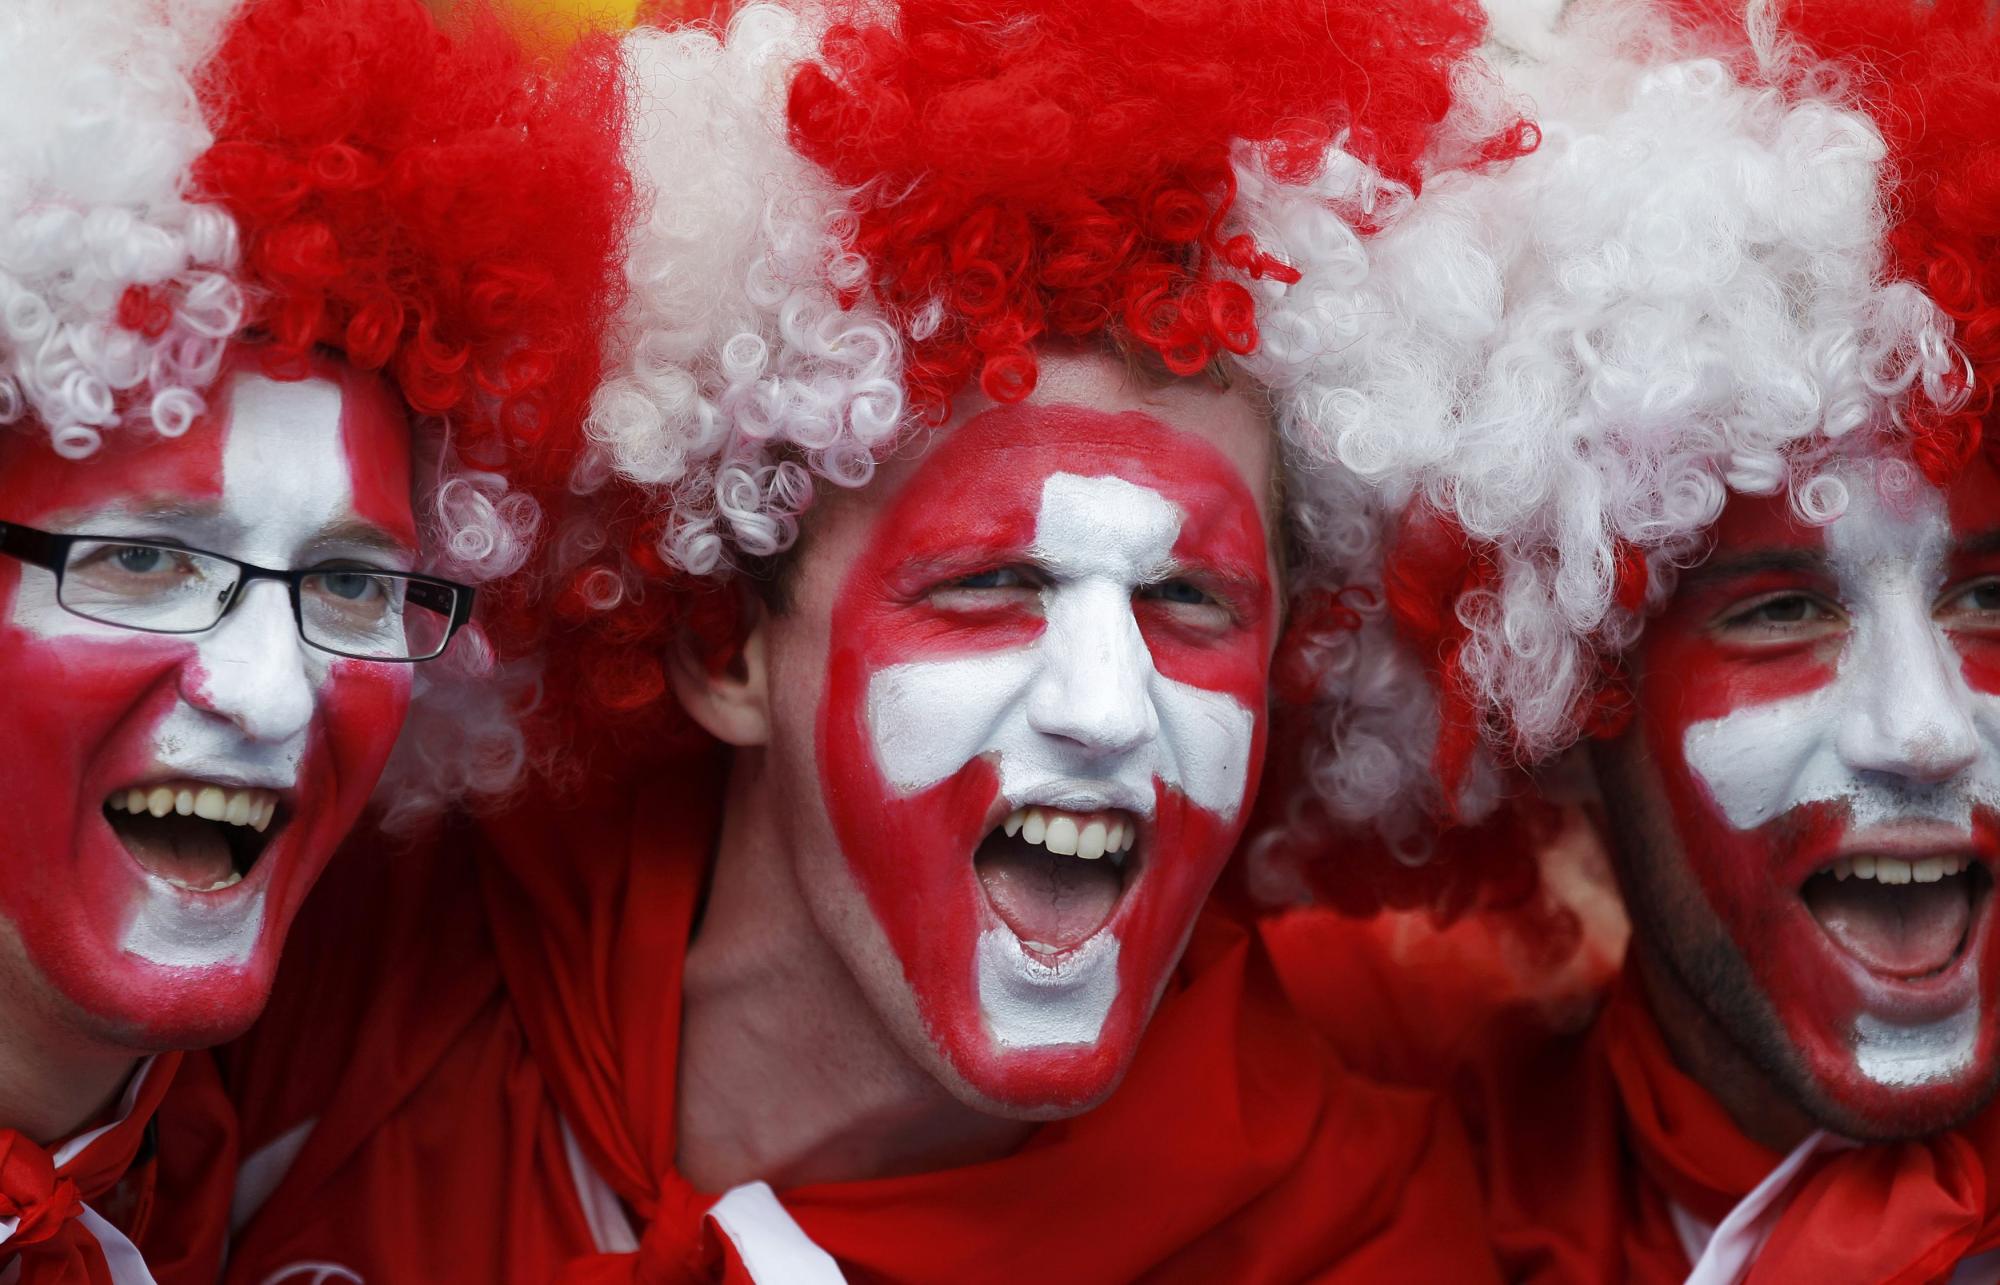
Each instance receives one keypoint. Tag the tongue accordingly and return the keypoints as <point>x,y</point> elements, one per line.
<point>186,850</point>
<point>1047,899</point>
<point>1899,930</point>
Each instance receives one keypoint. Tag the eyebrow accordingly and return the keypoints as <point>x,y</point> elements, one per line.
<point>1755,562</point>
<point>360,535</point>
<point>127,509</point>
<point>1979,546</point>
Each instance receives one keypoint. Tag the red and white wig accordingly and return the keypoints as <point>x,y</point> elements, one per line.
<point>302,176</point>
<point>1746,250</point>
<point>857,212</point>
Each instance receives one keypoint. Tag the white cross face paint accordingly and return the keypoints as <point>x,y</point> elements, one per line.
<point>193,785</point>
<point>1825,706</point>
<point>1079,717</point>
<point>1899,735</point>
<point>1062,623</point>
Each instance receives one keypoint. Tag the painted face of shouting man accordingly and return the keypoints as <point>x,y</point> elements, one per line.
<point>1804,811</point>
<point>1010,719</point>
<point>188,744</point>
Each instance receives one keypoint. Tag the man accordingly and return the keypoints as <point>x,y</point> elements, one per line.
<point>905,972</point>
<point>1717,504</point>
<point>219,526</point>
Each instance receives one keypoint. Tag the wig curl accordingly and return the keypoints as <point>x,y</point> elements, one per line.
<point>435,205</point>
<point>116,294</point>
<point>1706,282</point>
<point>849,224</point>
<point>1064,171</point>
<point>428,206</point>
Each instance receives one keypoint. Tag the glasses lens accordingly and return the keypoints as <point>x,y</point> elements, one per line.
<point>146,586</point>
<point>377,615</point>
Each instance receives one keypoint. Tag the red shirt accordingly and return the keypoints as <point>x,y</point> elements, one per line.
<point>1603,1161</point>
<point>138,1198</point>
<point>483,1039</point>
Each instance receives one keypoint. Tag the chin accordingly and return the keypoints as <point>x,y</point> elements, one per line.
<point>199,1013</point>
<point>1038,1085</point>
<point>1844,1091</point>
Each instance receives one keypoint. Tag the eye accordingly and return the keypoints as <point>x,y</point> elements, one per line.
<point>997,578</point>
<point>1787,616</point>
<point>137,559</point>
<point>1180,592</point>
<point>1974,606</point>
<point>131,562</point>
<point>1187,604</point>
<point>353,586</point>
<point>1009,588</point>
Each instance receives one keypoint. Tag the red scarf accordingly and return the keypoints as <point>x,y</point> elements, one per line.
<point>50,1241</point>
<point>1234,1151</point>
<point>1902,1213</point>
<point>1589,1139</point>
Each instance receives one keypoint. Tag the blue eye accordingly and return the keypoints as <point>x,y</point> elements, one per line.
<point>998,578</point>
<point>139,559</point>
<point>1175,591</point>
<point>351,585</point>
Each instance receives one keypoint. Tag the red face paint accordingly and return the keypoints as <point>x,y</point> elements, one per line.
<point>1821,703</point>
<point>245,708</point>
<point>1068,608</point>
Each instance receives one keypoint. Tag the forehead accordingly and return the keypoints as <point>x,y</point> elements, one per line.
<point>1199,444</point>
<point>1891,512</point>
<point>269,453</point>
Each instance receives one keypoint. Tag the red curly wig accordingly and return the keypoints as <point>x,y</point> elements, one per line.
<point>1930,76</point>
<point>1064,171</point>
<point>420,200</point>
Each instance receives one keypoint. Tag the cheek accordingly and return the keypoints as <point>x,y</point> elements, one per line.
<point>362,707</point>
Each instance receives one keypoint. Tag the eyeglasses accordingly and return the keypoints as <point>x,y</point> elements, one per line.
<point>166,589</point>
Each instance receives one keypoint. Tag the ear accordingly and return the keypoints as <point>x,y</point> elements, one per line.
<point>728,694</point>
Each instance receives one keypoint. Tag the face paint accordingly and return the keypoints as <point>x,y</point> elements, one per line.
<point>123,915</point>
<point>1824,707</point>
<point>1058,634</point>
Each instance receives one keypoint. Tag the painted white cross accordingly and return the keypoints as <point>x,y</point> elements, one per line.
<point>1083,701</point>
<point>1898,734</point>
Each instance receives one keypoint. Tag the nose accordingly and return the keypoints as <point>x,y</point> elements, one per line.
<point>1910,715</point>
<point>1094,688</point>
<point>252,668</point>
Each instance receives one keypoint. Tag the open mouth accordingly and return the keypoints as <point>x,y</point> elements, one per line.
<point>1055,877</point>
<point>1902,920</point>
<point>195,835</point>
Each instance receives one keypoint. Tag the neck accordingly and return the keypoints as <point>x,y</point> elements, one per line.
<point>1760,1108</point>
<point>786,1072</point>
<point>53,1080</point>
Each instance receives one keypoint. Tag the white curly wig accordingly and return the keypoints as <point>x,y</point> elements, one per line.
<point>753,365</point>
<point>98,126</point>
<point>738,376</point>
<point>1568,365</point>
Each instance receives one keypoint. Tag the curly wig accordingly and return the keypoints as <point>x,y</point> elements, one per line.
<point>116,291</point>
<point>432,204</point>
<point>297,176</point>
<point>1744,250</point>
<point>855,214</point>
<point>1066,171</point>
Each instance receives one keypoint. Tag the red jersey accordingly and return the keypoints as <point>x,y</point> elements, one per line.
<point>1603,1161</point>
<point>141,1198</point>
<point>468,1074</point>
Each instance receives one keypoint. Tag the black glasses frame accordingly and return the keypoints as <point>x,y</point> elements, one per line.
<point>49,550</point>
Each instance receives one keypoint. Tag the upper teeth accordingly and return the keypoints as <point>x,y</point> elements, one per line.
<point>1071,834</point>
<point>253,808</point>
<point>1896,870</point>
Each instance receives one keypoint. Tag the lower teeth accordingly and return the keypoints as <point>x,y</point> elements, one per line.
<point>235,877</point>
